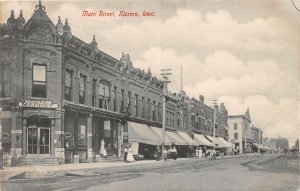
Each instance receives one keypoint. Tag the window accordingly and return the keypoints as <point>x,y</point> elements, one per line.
<point>129,102</point>
<point>5,80</point>
<point>148,109</point>
<point>136,105</point>
<point>235,136</point>
<point>104,97</point>
<point>94,85</point>
<point>82,89</point>
<point>143,107</point>
<point>154,111</point>
<point>115,98</point>
<point>39,81</point>
<point>235,126</point>
<point>68,85</point>
<point>122,101</point>
<point>159,113</point>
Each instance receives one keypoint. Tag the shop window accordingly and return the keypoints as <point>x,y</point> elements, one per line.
<point>39,81</point>
<point>82,88</point>
<point>68,85</point>
<point>81,133</point>
<point>5,80</point>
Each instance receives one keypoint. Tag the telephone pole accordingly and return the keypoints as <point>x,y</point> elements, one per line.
<point>165,73</point>
<point>215,104</point>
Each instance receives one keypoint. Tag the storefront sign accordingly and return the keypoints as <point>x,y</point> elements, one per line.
<point>38,104</point>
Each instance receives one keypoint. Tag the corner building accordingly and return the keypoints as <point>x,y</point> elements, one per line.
<point>62,98</point>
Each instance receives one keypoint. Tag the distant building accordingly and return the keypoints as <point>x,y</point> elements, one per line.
<point>240,132</point>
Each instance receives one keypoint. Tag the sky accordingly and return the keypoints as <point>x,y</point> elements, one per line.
<point>242,53</point>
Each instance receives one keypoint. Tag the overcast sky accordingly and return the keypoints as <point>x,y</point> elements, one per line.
<point>242,53</point>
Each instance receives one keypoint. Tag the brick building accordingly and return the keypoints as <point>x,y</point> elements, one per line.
<point>62,97</point>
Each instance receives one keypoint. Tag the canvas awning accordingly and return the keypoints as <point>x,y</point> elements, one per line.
<point>226,143</point>
<point>217,142</point>
<point>159,133</point>
<point>142,133</point>
<point>187,138</point>
<point>176,138</point>
<point>201,140</point>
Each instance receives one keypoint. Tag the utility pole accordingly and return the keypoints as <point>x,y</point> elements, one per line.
<point>165,73</point>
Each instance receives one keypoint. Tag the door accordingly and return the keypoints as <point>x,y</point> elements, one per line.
<point>38,140</point>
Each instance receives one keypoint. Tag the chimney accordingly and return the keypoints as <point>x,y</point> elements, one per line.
<point>201,98</point>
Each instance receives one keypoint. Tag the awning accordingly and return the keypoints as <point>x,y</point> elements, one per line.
<point>142,133</point>
<point>187,138</point>
<point>176,138</point>
<point>201,140</point>
<point>217,142</point>
<point>226,143</point>
<point>158,132</point>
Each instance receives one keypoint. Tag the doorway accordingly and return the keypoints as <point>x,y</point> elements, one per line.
<point>38,140</point>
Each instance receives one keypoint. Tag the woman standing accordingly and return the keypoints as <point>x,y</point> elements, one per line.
<point>130,155</point>
<point>197,152</point>
<point>200,152</point>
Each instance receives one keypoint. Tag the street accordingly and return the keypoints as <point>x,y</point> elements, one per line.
<point>256,172</point>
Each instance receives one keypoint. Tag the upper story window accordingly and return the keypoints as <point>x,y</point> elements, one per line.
<point>104,96</point>
<point>94,89</point>
<point>122,101</point>
<point>68,85</point>
<point>5,80</point>
<point>235,126</point>
<point>82,88</point>
<point>136,105</point>
<point>143,107</point>
<point>154,111</point>
<point>235,136</point>
<point>115,98</point>
<point>39,81</point>
<point>129,101</point>
<point>148,109</point>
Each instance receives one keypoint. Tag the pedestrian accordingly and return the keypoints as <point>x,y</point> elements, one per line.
<point>102,147</point>
<point>197,152</point>
<point>130,155</point>
<point>165,154</point>
<point>174,153</point>
<point>157,152</point>
<point>1,157</point>
<point>105,153</point>
<point>200,152</point>
<point>125,153</point>
<point>204,151</point>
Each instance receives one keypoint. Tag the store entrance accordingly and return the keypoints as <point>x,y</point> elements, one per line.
<point>38,140</point>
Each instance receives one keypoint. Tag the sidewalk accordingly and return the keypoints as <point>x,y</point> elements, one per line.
<point>36,172</point>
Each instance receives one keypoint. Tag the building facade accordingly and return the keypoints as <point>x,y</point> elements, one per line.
<point>67,97</point>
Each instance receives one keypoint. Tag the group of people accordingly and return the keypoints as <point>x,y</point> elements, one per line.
<point>199,153</point>
<point>128,156</point>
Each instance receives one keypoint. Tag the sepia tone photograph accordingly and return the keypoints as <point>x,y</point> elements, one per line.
<point>163,95</point>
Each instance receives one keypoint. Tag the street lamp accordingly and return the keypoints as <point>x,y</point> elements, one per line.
<point>165,73</point>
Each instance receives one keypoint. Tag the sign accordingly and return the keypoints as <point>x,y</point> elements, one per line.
<point>68,135</point>
<point>38,104</point>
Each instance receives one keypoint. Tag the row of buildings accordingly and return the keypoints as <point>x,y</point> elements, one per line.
<point>61,97</point>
